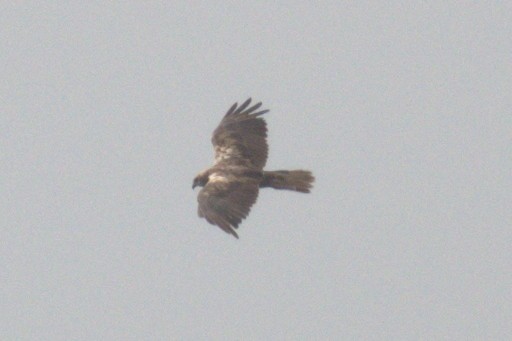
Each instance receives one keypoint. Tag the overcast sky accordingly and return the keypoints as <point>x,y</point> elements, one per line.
<point>402,110</point>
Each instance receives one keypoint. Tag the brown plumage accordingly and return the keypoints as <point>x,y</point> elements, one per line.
<point>231,186</point>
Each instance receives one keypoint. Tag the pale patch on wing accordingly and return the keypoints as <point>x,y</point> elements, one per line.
<point>225,153</point>
<point>217,177</point>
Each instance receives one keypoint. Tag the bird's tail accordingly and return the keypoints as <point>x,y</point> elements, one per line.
<point>294,180</point>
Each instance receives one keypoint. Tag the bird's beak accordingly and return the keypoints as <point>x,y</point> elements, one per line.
<point>194,184</point>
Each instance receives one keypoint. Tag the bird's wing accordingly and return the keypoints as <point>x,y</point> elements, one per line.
<point>241,136</point>
<point>225,201</point>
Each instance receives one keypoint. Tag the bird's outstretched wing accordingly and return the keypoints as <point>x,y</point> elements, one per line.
<point>225,203</point>
<point>241,137</point>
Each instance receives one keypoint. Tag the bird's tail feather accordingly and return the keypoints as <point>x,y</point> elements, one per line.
<point>294,180</point>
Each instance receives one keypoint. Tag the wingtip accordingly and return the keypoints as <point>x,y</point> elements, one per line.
<point>259,113</point>
<point>242,107</point>
<point>231,109</point>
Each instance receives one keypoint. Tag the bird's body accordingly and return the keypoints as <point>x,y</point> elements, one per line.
<point>231,185</point>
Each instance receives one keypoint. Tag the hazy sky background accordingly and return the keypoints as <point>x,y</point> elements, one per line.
<point>401,109</point>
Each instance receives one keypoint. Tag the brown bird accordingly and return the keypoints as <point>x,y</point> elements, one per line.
<point>230,186</point>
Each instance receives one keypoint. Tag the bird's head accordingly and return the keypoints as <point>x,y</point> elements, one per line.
<point>200,180</point>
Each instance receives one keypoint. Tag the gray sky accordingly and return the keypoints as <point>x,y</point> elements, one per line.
<point>401,110</point>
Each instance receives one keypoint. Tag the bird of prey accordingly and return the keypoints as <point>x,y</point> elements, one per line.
<point>231,185</point>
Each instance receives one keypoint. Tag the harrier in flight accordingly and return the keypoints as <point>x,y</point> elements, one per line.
<point>231,185</point>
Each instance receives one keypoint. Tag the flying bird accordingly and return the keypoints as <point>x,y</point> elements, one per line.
<point>231,185</point>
